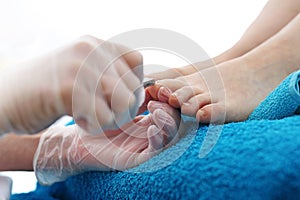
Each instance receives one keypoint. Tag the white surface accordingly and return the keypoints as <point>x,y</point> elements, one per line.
<point>22,181</point>
<point>31,27</point>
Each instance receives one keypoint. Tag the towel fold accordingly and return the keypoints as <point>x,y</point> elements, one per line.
<point>257,159</point>
<point>282,102</point>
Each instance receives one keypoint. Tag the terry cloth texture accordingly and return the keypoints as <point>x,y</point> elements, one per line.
<point>282,102</point>
<point>255,159</point>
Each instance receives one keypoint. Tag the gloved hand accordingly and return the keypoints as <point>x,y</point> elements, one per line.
<point>92,80</point>
<point>66,151</point>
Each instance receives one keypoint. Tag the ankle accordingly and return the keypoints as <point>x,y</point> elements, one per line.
<point>232,53</point>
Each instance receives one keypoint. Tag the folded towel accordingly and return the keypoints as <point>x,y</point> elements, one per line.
<point>255,158</point>
<point>282,102</point>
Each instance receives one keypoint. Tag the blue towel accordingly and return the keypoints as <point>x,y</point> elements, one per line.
<point>282,102</point>
<point>257,159</point>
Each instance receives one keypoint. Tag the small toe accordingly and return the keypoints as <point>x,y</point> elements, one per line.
<point>182,95</point>
<point>172,84</point>
<point>195,103</point>
<point>212,113</point>
<point>163,94</point>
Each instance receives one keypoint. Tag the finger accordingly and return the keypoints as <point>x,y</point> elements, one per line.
<point>136,129</point>
<point>155,139</point>
<point>135,61</point>
<point>133,58</point>
<point>87,114</point>
<point>128,150</point>
<point>127,75</point>
<point>155,145</point>
<point>154,105</point>
<point>120,99</point>
<point>166,123</point>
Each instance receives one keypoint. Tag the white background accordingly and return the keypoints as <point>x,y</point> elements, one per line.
<point>33,27</point>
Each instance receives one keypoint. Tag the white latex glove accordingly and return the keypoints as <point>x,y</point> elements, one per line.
<point>66,151</point>
<point>92,80</point>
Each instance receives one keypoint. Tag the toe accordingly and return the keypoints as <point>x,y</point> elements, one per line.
<point>182,95</point>
<point>172,84</point>
<point>195,103</point>
<point>163,94</point>
<point>212,113</point>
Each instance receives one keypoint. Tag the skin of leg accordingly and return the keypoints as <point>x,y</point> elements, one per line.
<point>17,151</point>
<point>246,80</point>
<point>274,16</point>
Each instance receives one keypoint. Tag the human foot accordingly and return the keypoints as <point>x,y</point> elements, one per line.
<point>211,99</point>
<point>246,80</point>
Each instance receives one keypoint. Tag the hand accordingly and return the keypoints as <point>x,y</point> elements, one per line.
<point>97,82</point>
<point>66,151</point>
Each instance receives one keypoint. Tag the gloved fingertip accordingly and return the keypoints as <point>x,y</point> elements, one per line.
<point>155,138</point>
<point>164,121</point>
<point>160,115</point>
<point>152,106</point>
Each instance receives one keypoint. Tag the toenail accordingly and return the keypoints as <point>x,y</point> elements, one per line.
<point>164,94</point>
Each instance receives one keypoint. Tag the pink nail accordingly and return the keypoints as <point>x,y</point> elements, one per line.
<point>164,94</point>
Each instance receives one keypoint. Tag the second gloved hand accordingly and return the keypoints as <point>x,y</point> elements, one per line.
<point>66,151</point>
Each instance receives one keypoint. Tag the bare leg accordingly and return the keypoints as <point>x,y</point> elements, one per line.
<point>17,151</point>
<point>247,80</point>
<point>274,16</point>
